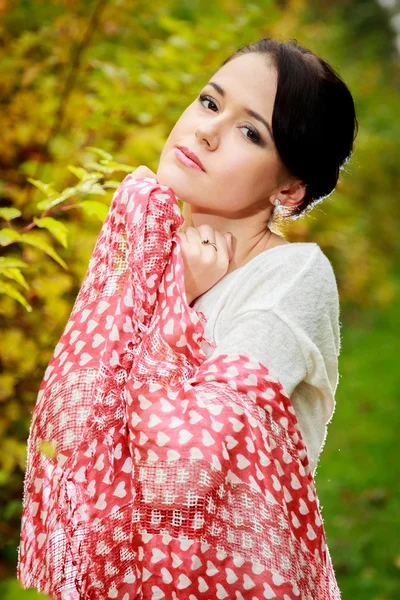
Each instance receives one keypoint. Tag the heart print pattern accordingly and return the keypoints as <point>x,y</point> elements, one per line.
<point>154,470</point>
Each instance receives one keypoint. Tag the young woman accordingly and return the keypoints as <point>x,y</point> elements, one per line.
<point>188,397</point>
<point>272,129</point>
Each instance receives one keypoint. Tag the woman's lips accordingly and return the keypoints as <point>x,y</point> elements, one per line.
<point>185,160</point>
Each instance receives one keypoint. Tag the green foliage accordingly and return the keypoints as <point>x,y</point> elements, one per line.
<point>58,229</point>
<point>8,214</point>
<point>89,88</point>
<point>8,236</point>
<point>90,183</point>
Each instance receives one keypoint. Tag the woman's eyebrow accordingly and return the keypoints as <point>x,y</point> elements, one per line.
<point>248,111</point>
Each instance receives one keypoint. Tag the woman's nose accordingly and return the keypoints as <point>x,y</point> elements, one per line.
<point>207,134</point>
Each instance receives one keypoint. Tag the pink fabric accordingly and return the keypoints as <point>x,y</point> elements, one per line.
<point>173,475</point>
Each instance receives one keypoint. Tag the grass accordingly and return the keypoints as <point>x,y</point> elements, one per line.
<point>357,479</point>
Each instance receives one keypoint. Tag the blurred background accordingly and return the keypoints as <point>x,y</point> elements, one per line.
<point>116,75</point>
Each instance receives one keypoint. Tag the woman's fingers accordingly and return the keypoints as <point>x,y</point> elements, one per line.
<point>204,264</point>
<point>221,254</point>
<point>143,171</point>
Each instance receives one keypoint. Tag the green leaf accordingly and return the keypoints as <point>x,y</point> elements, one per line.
<point>84,175</point>
<point>56,228</point>
<point>33,239</point>
<point>46,188</point>
<point>8,236</point>
<point>54,200</point>
<point>91,207</point>
<point>97,167</point>
<point>99,152</point>
<point>10,213</point>
<point>111,184</point>
<point>9,290</point>
<point>15,275</point>
<point>96,189</point>
<point>94,176</point>
<point>78,171</point>
<point>7,262</point>
<point>115,166</point>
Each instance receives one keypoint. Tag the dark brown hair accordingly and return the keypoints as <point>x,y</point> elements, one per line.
<point>314,123</point>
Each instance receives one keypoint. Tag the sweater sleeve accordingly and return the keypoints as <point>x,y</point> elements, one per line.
<point>289,321</point>
<point>263,335</point>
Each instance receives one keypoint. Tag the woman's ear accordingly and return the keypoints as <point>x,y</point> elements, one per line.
<point>293,194</point>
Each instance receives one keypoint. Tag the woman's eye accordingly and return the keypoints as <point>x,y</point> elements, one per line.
<point>255,136</point>
<point>206,98</point>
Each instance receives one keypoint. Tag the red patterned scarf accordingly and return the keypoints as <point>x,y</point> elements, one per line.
<point>152,471</point>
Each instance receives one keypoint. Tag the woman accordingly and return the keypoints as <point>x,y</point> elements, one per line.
<point>185,442</point>
<point>282,307</point>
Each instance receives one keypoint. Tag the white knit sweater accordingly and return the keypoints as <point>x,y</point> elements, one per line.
<point>282,308</point>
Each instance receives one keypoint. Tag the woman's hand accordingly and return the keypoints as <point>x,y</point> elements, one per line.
<point>143,171</point>
<point>204,265</point>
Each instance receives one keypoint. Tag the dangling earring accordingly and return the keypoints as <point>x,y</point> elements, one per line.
<point>278,208</point>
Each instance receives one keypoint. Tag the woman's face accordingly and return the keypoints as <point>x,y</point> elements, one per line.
<point>241,163</point>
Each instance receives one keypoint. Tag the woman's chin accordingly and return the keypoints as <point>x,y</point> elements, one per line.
<point>175,181</point>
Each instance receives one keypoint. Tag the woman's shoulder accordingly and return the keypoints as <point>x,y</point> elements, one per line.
<point>295,269</point>
<point>308,254</point>
<point>286,258</point>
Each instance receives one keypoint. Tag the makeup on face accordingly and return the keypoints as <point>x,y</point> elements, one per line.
<point>186,160</point>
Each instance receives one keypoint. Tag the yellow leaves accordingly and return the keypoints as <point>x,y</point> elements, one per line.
<point>115,166</point>
<point>10,290</point>
<point>10,213</point>
<point>7,386</point>
<point>100,152</point>
<point>46,188</point>
<point>11,262</point>
<point>33,239</point>
<point>53,284</point>
<point>10,267</point>
<point>16,275</point>
<point>12,454</point>
<point>18,352</point>
<point>111,184</point>
<point>56,228</point>
<point>107,167</point>
<point>96,209</point>
<point>89,184</point>
<point>56,199</point>
<point>8,236</point>
<point>51,290</point>
<point>78,171</point>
